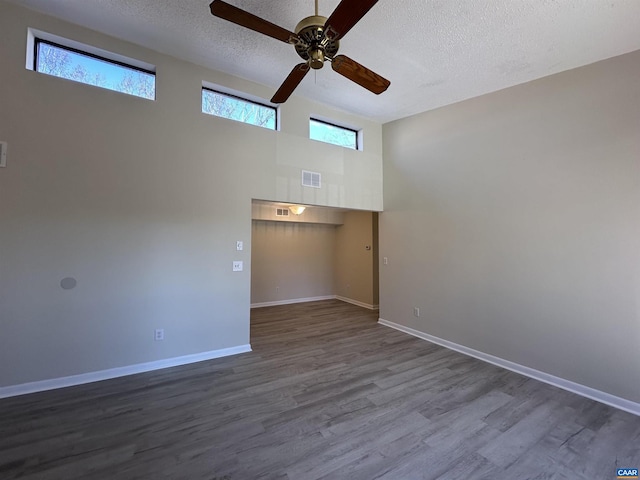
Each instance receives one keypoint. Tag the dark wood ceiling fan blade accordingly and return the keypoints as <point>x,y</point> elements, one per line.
<point>345,16</point>
<point>290,83</point>
<point>359,74</point>
<point>249,20</point>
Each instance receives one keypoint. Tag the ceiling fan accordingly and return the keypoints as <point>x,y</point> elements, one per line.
<point>316,40</point>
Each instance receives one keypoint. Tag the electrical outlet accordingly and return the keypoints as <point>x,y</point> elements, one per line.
<point>158,334</point>
<point>237,265</point>
<point>416,311</point>
<point>385,260</point>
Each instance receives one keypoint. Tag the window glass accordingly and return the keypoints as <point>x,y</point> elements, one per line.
<point>60,61</point>
<point>239,109</point>
<point>335,134</point>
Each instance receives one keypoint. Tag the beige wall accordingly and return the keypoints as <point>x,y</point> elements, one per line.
<point>354,264</point>
<point>513,221</point>
<point>142,202</point>
<point>291,261</point>
<point>375,259</point>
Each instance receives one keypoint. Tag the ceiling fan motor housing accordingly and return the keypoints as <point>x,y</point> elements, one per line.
<point>314,47</point>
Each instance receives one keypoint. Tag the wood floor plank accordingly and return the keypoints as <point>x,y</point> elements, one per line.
<point>326,393</point>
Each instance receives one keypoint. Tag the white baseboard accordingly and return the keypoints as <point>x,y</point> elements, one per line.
<point>583,390</point>
<point>293,300</point>
<point>357,302</point>
<point>43,385</point>
<point>314,299</point>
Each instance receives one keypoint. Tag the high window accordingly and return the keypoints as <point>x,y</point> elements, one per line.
<point>80,66</point>
<point>237,108</point>
<point>331,133</point>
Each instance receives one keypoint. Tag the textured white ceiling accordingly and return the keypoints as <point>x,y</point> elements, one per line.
<point>434,52</point>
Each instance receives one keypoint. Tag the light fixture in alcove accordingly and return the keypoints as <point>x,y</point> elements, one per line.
<point>297,209</point>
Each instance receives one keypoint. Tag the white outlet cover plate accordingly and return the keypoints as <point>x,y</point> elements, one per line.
<point>237,265</point>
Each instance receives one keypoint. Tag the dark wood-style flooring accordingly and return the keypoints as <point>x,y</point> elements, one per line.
<point>327,393</point>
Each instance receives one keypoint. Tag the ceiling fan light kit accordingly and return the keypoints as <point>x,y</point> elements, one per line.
<point>316,40</point>
<point>314,47</point>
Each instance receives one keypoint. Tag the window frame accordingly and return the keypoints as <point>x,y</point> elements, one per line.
<point>356,133</point>
<point>238,96</point>
<point>36,38</point>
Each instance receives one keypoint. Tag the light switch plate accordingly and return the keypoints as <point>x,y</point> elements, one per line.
<point>237,265</point>
<point>239,245</point>
<point>3,154</point>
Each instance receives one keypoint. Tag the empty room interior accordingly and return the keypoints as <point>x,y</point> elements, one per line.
<point>319,253</point>
<point>391,240</point>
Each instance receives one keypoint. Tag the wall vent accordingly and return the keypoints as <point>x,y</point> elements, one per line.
<point>282,212</point>
<point>311,179</point>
